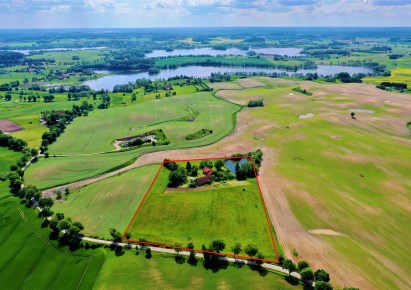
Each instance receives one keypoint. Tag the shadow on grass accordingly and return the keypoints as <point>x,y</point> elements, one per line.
<point>180,260</point>
<point>292,280</point>
<point>261,271</point>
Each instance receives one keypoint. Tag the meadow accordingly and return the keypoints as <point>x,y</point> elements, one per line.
<point>233,214</point>
<point>163,272</point>
<point>109,203</point>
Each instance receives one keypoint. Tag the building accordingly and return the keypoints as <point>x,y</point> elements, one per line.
<point>205,179</point>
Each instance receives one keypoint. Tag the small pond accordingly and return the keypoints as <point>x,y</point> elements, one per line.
<point>230,164</point>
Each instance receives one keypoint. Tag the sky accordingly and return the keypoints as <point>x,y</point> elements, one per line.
<point>202,13</point>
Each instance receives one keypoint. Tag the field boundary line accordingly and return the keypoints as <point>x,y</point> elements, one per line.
<point>53,280</point>
<point>142,201</point>
<point>162,245</point>
<point>84,273</point>
<point>33,268</point>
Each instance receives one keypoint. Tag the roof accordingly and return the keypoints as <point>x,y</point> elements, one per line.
<point>203,180</point>
<point>207,171</point>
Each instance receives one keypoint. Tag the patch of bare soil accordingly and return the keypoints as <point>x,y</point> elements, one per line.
<point>326,232</point>
<point>7,126</point>
<point>250,83</point>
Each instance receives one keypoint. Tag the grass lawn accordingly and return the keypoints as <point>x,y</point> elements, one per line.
<point>162,272</point>
<point>30,261</point>
<point>233,214</point>
<point>109,203</point>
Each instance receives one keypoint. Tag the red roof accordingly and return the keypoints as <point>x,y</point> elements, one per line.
<point>203,180</point>
<point>207,171</point>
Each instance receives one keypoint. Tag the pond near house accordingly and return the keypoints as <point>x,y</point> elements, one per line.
<point>230,164</point>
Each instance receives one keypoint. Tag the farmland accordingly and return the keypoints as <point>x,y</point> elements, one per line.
<point>30,260</point>
<point>109,203</point>
<point>161,271</point>
<point>202,216</point>
<point>97,132</point>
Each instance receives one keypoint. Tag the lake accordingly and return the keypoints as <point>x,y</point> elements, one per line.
<point>27,51</point>
<point>230,164</point>
<point>286,51</point>
<point>108,82</point>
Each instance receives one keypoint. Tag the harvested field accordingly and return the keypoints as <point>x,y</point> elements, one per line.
<point>7,126</point>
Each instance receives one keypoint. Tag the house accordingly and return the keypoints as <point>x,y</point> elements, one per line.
<point>167,88</point>
<point>205,179</point>
<point>207,171</point>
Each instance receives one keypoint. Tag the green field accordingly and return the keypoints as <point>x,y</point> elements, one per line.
<point>109,203</point>
<point>203,216</point>
<point>97,132</point>
<point>162,272</point>
<point>30,261</point>
<point>8,158</point>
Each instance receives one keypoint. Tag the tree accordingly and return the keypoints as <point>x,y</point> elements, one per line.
<point>63,225</point>
<point>46,212</point>
<point>148,253</point>
<point>307,274</point>
<point>302,265</point>
<point>321,285</point>
<point>177,249</point>
<point>289,265</point>
<point>116,235</point>
<point>33,152</point>
<point>59,194</point>
<point>236,249</point>
<point>192,260</point>
<point>7,97</point>
<point>217,246</point>
<point>46,202</point>
<point>79,225</point>
<point>190,245</point>
<point>133,97</point>
<point>59,216</point>
<point>188,167</point>
<point>251,250</point>
<point>321,275</point>
<point>219,164</point>
<point>352,115</point>
<point>128,236</point>
<point>67,191</point>
<point>178,177</point>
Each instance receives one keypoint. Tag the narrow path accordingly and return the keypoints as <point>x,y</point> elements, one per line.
<point>198,255</point>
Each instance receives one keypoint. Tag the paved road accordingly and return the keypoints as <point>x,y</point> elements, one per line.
<point>186,253</point>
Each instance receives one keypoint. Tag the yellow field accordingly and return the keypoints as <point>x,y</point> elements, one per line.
<point>398,75</point>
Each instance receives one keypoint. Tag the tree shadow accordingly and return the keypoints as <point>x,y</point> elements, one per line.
<point>292,280</point>
<point>261,271</point>
<point>180,259</point>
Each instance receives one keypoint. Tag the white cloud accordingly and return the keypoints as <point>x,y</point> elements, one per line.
<point>100,5</point>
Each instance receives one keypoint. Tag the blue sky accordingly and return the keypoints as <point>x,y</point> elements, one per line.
<point>192,13</point>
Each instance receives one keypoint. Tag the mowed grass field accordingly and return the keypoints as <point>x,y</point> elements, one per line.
<point>233,214</point>
<point>97,132</point>
<point>30,261</point>
<point>162,272</point>
<point>349,176</point>
<point>109,203</point>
